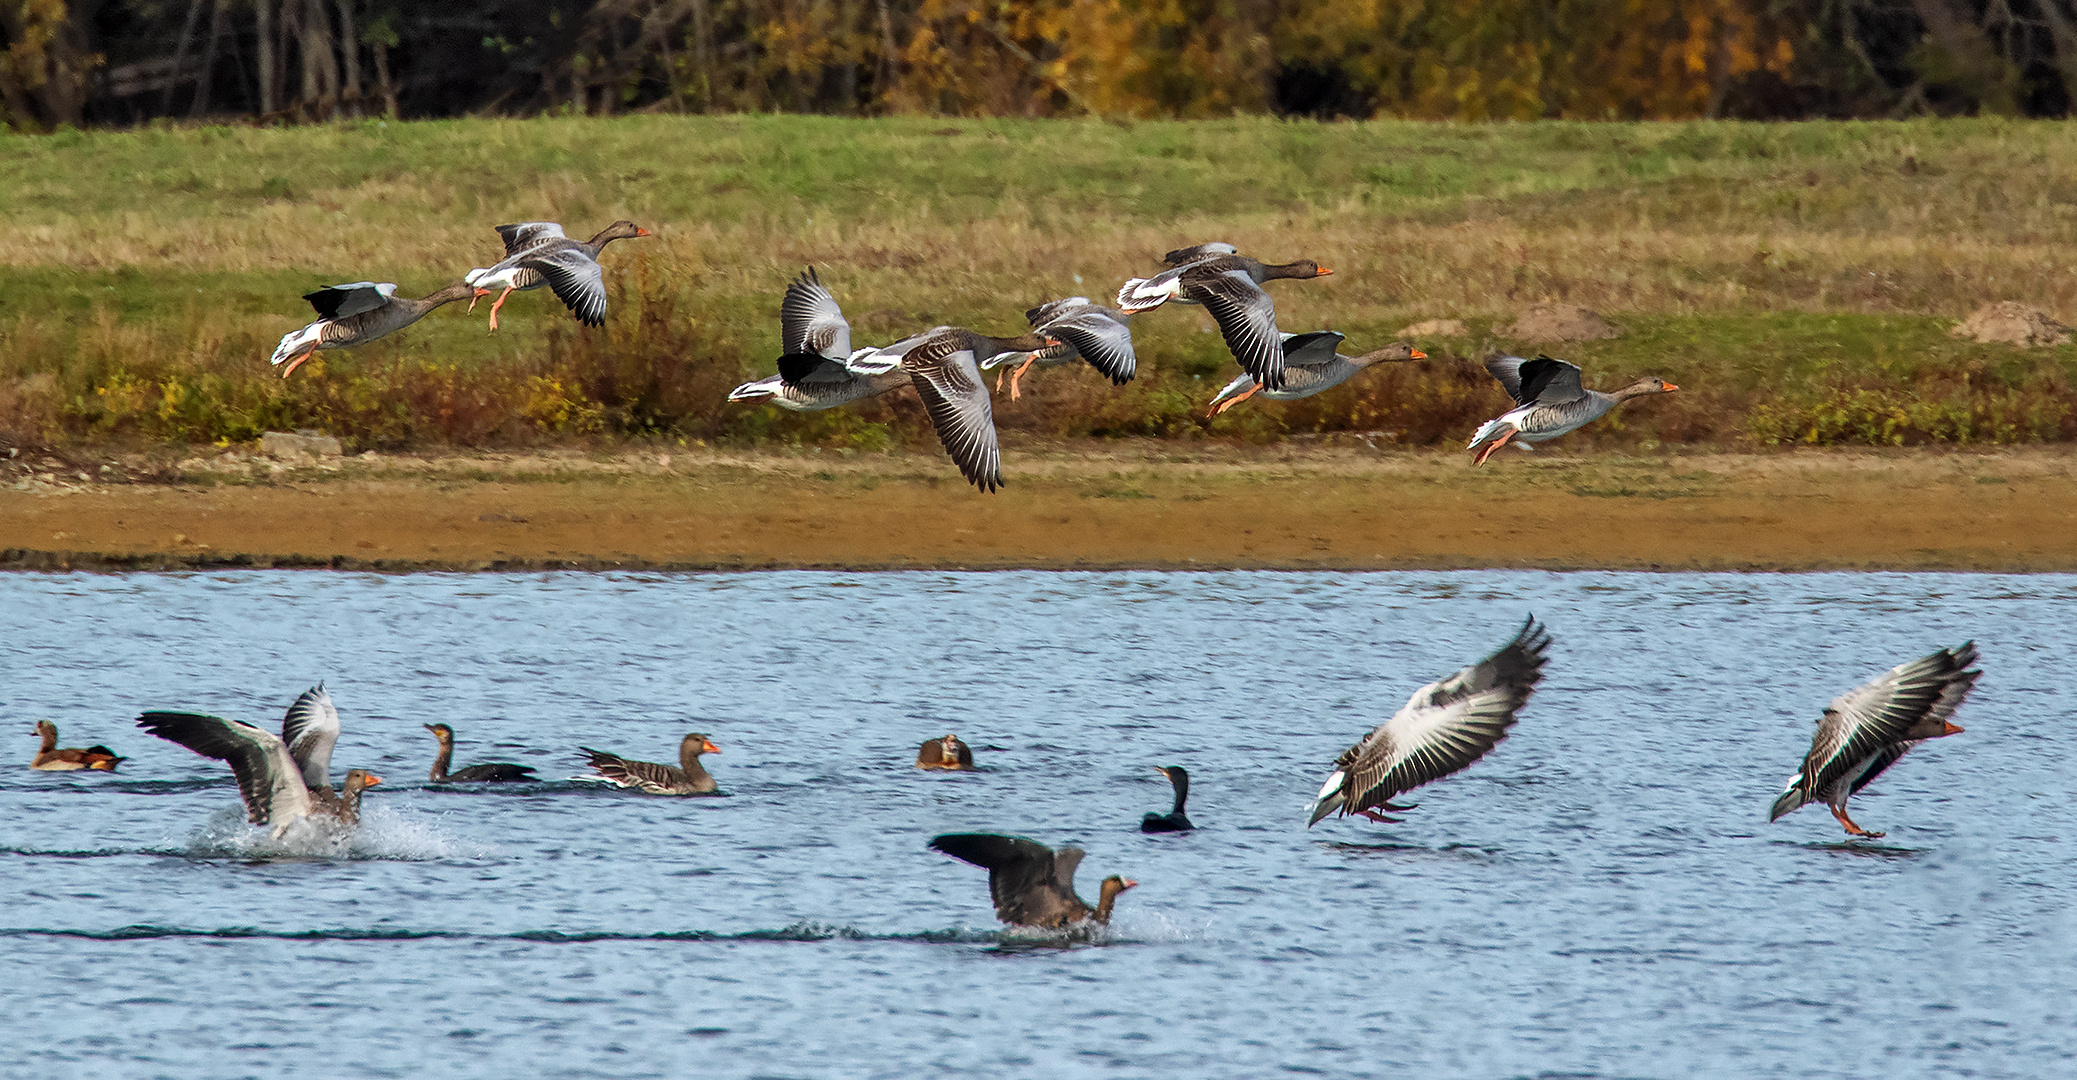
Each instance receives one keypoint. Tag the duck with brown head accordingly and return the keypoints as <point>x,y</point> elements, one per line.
<point>50,758</point>
<point>945,753</point>
<point>650,778</point>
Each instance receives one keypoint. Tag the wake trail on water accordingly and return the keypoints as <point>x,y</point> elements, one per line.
<point>1015,939</point>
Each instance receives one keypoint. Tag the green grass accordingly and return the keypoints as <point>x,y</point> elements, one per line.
<point>1797,280</point>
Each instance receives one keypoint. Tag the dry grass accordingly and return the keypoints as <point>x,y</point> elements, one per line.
<point>1794,279</point>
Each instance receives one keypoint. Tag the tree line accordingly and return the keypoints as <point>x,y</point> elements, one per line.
<point>120,62</point>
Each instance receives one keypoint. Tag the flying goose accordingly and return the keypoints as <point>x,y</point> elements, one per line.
<point>1444,727</point>
<point>537,253</point>
<point>493,772</point>
<point>1229,286</point>
<point>1174,820</point>
<point>944,363</point>
<point>945,753</point>
<point>1866,730</point>
<point>358,313</point>
<point>650,778</point>
<point>1086,331</point>
<point>281,778</point>
<point>817,343</point>
<point>1031,884</point>
<point>1311,366</point>
<point>1549,402</point>
<point>51,759</point>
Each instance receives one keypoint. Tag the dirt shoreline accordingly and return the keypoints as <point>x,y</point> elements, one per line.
<point>1096,506</point>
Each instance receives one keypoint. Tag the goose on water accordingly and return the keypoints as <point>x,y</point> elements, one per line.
<point>492,772</point>
<point>1867,729</point>
<point>1174,820</point>
<point>50,758</point>
<point>1444,727</point>
<point>537,253</point>
<point>356,314</point>
<point>284,778</point>
<point>817,342</point>
<point>945,753</point>
<point>944,364</point>
<point>1229,285</point>
<point>650,778</point>
<point>1032,884</point>
<point>1312,366</point>
<point>1549,402</point>
<point>1086,331</point>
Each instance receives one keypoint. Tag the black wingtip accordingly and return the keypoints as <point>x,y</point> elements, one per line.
<point>794,367</point>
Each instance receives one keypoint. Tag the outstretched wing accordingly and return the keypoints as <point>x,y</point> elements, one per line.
<point>577,281</point>
<point>1188,255</point>
<point>1311,349</point>
<point>1097,333</point>
<point>1022,875</point>
<point>950,384</point>
<point>268,779</point>
<point>1247,320</point>
<point>528,234</point>
<point>1906,703</point>
<point>810,320</point>
<point>1549,381</point>
<point>310,728</point>
<point>342,301</point>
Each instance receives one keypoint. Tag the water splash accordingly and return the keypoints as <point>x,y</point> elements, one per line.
<point>384,833</point>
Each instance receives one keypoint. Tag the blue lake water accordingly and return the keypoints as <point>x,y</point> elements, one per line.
<point>1601,897</point>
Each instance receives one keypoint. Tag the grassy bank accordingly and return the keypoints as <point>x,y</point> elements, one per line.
<point>1796,280</point>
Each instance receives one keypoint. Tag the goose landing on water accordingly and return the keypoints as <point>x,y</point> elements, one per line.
<point>1865,731</point>
<point>492,772</point>
<point>1173,821</point>
<point>1032,884</point>
<point>282,779</point>
<point>70,759</point>
<point>1444,727</point>
<point>650,778</point>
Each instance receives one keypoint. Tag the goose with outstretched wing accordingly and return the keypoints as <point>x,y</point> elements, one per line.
<point>817,341</point>
<point>1446,725</point>
<point>1032,884</point>
<point>1086,331</point>
<point>1549,401</point>
<point>270,779</point>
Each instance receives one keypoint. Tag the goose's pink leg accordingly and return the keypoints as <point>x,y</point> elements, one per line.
<point>1853,829</point>
<point>1018,375</point>
<point>480,294</point>
<point>500,302</point>
<point>298,361</point>
<point>1487,451</point>
<point>1232,401</point>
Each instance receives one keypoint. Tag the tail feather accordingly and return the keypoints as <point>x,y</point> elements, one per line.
<point>750,391</point>
<point>1132,299</point>
<point>1487,432</point>
<point>293,343</point>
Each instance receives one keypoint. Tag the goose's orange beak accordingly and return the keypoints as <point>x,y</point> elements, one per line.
<point>372,780</point>
<point>707,747</point>
<point>1322,272</point>
<point>1952,729</point>
<point>1419,355</point>
<point>1671,388</point>
<point>1128,883</point>
<point>640,231</point>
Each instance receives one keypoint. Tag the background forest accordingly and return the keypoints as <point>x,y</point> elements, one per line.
<point>119,62</point>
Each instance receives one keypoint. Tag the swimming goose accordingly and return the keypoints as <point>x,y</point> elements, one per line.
<point>493,772</point>
<point>1549,402</point>
<point>650,778</point>
<point>944,364</point>
<point>1865,731</point>
<point>51,759</point>
<point>817,343</point>
<point>1444,727</point>
<point>1230,288</point>
<point>1311,365</point>
<point>1031,884</point>
<point>1174,820</point>
<point>945,753</point>
<point>270,778</point>
<point>537,253</point>
<point>1086,331</point>
<point>356,314</point>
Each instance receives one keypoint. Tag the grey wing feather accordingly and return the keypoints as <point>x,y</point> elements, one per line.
<point>309,729</point>
<point>1518,662</point>
<point>527,234</point>
<point>344,301</point>
<point>1100,336</point>
<point>1549,381</point>
<point>953,392</point>
<point>1868,720</point>
<point>1312,349</point>
<point>810,321</point>
<point>1188,255</point>
<point>268,780</point>
<point>1247,320</point>
<point>1508,370</point>
<point>1021,873</point>
<point>577,280</point>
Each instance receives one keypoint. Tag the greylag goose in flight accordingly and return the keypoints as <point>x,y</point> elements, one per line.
<point>1174,820</point>
<point>272,778</point>
<point>1229,286</point>
<point>1865,731</point>
<point>650,778</point>
<point>51,759</point>
<point>944,364</point>
<point>1086,331</point>
<point>356,314</point>
<point>493,772</point>
<point>945,753</point>
<point>1549,402</point>
<point>1032,884</point>
<point>537,253</point>
<point>817,343</point>
<point>1311,366</point>
<point>1444,727</point>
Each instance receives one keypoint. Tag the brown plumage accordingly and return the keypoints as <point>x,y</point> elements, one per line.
<point>945,753</point>
<point>650,778</point>
<point>71,759</point>
<point>1032,884</point>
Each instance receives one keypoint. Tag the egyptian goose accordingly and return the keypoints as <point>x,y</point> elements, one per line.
<point>51,759</point>
<point>1311,366</point>
<point>944,364</point>
<point>1174,820</point>
<point>650,778</point>
<point>1865,731</point>
<point>1086,331</point>
<point>817,342</point>
<point>493,772</point>
<point>282,779</point>
<point>1549,402</point>
<point>1032,884</point>
<point>537,253</point>
<point>945,753</point>
<point>1229,286</point>
<point>356,314</point>
<point>1443,728</point>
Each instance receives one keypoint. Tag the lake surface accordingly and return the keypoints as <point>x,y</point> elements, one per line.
<point>1602,896</point>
